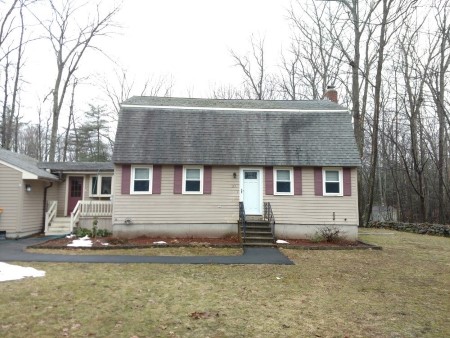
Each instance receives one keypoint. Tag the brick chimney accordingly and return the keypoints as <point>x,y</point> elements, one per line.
<point>331,94</point>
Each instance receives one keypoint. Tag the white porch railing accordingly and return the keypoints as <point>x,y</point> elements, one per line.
<point>90,209</point>
<point>50,213</point>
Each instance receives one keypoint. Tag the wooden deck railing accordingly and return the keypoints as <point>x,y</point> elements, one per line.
<point>52,206</point>
<point>90,209</point>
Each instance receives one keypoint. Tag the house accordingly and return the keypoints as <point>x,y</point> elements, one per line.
<point>194,167</point>
<point>23,187</point>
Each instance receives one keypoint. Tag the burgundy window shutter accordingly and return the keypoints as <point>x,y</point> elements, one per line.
<point>156,188</point>
<point>126,177</point>
<point>178,179</point>
<point>347,181</point>
<point>269,180</point>
<point>318,184</point>
<point>207,179</point>
<point>297,180</point>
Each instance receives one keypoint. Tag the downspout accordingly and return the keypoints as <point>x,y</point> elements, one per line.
<point>45,205</point>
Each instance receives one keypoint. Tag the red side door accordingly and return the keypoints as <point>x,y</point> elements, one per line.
<point>75,192</point>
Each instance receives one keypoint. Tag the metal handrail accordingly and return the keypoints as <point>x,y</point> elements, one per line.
<point>242,220</point>
<point>268,216</point>
<point>52,207</point>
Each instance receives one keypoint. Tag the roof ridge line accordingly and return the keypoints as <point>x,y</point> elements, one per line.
<point>234,109</point>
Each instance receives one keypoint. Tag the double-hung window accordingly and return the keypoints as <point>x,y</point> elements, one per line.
<point>193,180</point>
<point>332,182</point>
<point>141,180</point>
<point>101,185</point>
<point>283,181</point>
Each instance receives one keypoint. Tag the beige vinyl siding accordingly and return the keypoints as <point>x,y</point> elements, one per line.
<point>10,185</point>
<point>32,207</point>
<point>52,192</point>
<point>310,209</point>
<point>222,206</point>
<point>61,210</point>
<point>56,193</point>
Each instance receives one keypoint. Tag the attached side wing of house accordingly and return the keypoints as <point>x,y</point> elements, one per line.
<point>22,189</point>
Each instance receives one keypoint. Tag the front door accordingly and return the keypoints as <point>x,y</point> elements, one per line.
<point>251,191</point>
<point>75,192</point>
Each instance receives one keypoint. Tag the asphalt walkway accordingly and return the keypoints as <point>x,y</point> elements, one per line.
<point>14,251</point>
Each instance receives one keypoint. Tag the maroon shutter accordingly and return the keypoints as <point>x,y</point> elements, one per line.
<point>207,179</point>
<point>318,184</point>
<point>297,180</point>
<point>269,180</point>
<point>126,177</point>
<point>177,179</point>
<point>156,188</point>
<point>347,181</point>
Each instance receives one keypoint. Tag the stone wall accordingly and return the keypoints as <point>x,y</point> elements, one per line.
<point>418,228</point>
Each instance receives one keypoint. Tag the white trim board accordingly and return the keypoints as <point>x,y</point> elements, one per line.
<point>236,109</point>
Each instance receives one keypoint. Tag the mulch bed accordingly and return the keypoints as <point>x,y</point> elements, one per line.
<point>148,242</point>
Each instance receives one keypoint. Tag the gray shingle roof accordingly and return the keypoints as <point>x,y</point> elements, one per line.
<point>77,166</point>
<point>321,136</point>
<point>25,163</point>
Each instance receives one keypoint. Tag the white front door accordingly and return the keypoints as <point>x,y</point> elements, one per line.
<point>251,191</point>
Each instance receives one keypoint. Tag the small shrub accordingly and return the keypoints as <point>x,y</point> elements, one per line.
<point>327,233</point>
<point>103,233</point>
<point>95,232</point>
<point>81,232</point>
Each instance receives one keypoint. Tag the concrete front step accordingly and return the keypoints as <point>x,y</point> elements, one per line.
<point>250,233</point>
<point>52,232</point>
<point>59,226</point>
<point>260,244</point>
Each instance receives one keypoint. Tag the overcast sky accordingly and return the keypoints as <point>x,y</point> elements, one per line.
<point>187,40</point>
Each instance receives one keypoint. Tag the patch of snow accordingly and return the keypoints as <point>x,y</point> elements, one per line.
<point>81,242</point>
<point>105,244</point>
<point>14,272</point>
<point>278,277</point>
<point>70,236</point>
<point>159,242</point>
<point>282,241</point>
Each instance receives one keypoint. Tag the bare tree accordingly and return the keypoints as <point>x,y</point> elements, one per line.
<point>258,84</point>
<point>12,46</point>
<point>315,60</point>
<point>125,85</point>
<point>70,41</point>
<point>437,85</point>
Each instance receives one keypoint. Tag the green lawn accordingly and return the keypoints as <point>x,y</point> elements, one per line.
<point>401,291</point>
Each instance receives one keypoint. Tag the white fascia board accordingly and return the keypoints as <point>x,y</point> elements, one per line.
<point>235,109</point>
<point>26,175</point>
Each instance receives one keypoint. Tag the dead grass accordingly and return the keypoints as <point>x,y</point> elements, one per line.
<point>163,251</point>
<point>402,291</point>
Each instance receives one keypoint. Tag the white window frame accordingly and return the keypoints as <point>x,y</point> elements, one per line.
<point>150,179</point>
<point>291,181</point>
<point>341,181</point>
<point>99,180</point>
<point>184,180</point>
